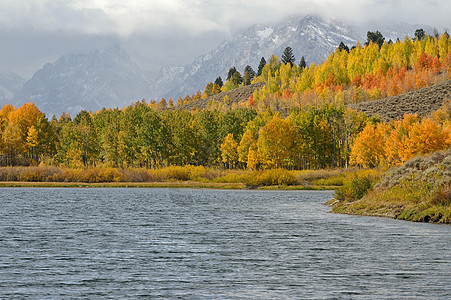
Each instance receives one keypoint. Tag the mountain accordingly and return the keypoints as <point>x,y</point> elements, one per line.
<point>111,78</point>
<point>102,78</point>
<point>310,36</point>
<point>10,84</point>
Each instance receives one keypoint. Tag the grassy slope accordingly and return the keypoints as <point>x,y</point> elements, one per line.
<point>419,190</point>
<point>240,94</point>
<point>422,102</point>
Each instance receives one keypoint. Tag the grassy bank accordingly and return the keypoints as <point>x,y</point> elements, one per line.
<point>419,190</point>
<point>175,176</point>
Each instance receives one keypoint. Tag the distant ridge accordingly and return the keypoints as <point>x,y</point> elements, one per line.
<point>88,81</point>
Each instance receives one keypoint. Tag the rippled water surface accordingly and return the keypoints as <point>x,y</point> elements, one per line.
<point>209,244</point>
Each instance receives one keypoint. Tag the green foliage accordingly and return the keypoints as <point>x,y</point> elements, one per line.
<point>219,82</point>
<point>343,47</point>
<point>261,66</point>
<point>355,188</point>
<point>288,56</point>
<point>375,37</point>
<point>302,63</point>
<point>250,71</point>
<point>419,34</point>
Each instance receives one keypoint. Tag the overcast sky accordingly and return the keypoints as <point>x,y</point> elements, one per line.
<point>161,32</point>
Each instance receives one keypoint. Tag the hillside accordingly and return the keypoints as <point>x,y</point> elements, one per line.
<point>234,96</point>
<point>309,36</point>
<point>419,190</point>
<point>422,102</point>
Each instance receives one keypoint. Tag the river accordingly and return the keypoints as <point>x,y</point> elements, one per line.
<point>211,244</point>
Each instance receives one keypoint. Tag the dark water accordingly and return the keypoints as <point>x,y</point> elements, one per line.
<point>201,244</point>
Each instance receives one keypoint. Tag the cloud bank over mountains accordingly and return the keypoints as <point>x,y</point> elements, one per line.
<point>175,32</point>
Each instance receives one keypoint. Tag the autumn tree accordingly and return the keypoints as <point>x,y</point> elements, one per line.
<point>368,149</point>
<point>229,151</point>
<point>276,143</point>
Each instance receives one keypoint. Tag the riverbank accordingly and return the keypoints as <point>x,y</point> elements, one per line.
<point>419,190</point>
<point>173,184</point>
<point>176,176</point>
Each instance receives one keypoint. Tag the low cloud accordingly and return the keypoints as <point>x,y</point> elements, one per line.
<point>36,30</point>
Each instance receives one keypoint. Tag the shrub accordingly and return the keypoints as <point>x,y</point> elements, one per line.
<point>231,178</point>
<point>109,175</point>
<point>442,196</point>
<point>270,177</point>
<point>137,175</point>
<point>332,181</point>
<point>355,188</point>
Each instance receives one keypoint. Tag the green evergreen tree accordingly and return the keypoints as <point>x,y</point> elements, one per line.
<point>250,71</point>
<point>237,78</point>
<point>288,56</point>
<point>260,66</point>
<point>219,82</point>
<point>342,47</point>
<point>419,34</point>
<point>231,72</point>
<point>375,37</point>
<point>247,78</point>
<point>302,63</point>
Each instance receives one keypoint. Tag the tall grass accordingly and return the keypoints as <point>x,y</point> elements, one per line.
<point>281,177</point>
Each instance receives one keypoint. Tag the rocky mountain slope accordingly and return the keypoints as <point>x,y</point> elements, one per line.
<point>110,77</point>
<point>10,84</point>
<point>422,102</point>
<point>310,36</point>
<point>105,78</point>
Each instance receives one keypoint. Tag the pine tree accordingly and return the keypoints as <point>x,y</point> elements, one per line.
<point>288,56</point>
<point>419,34</point>
<point>247,78</point>
<point>219,82</point>
<point>236,78</point>
<point>302,63</point>
<point>342,47</point>
<point>231,72</point>
<point>260,66</point>
<point>250,70</point>
<point>375,37</point>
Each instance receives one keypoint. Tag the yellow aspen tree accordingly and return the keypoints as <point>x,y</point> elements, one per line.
<point>276,142</point>
<point>443,46</point>
<point>32,141</point>
<point>229,152</point>
<point>253,157</point>
<point>246,142</point>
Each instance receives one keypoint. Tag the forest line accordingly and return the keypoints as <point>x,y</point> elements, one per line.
<point>299,120</point>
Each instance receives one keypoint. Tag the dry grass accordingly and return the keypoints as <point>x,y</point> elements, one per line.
<point>421,102</point>
<point>48,175</point>
<point>419,190</point>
